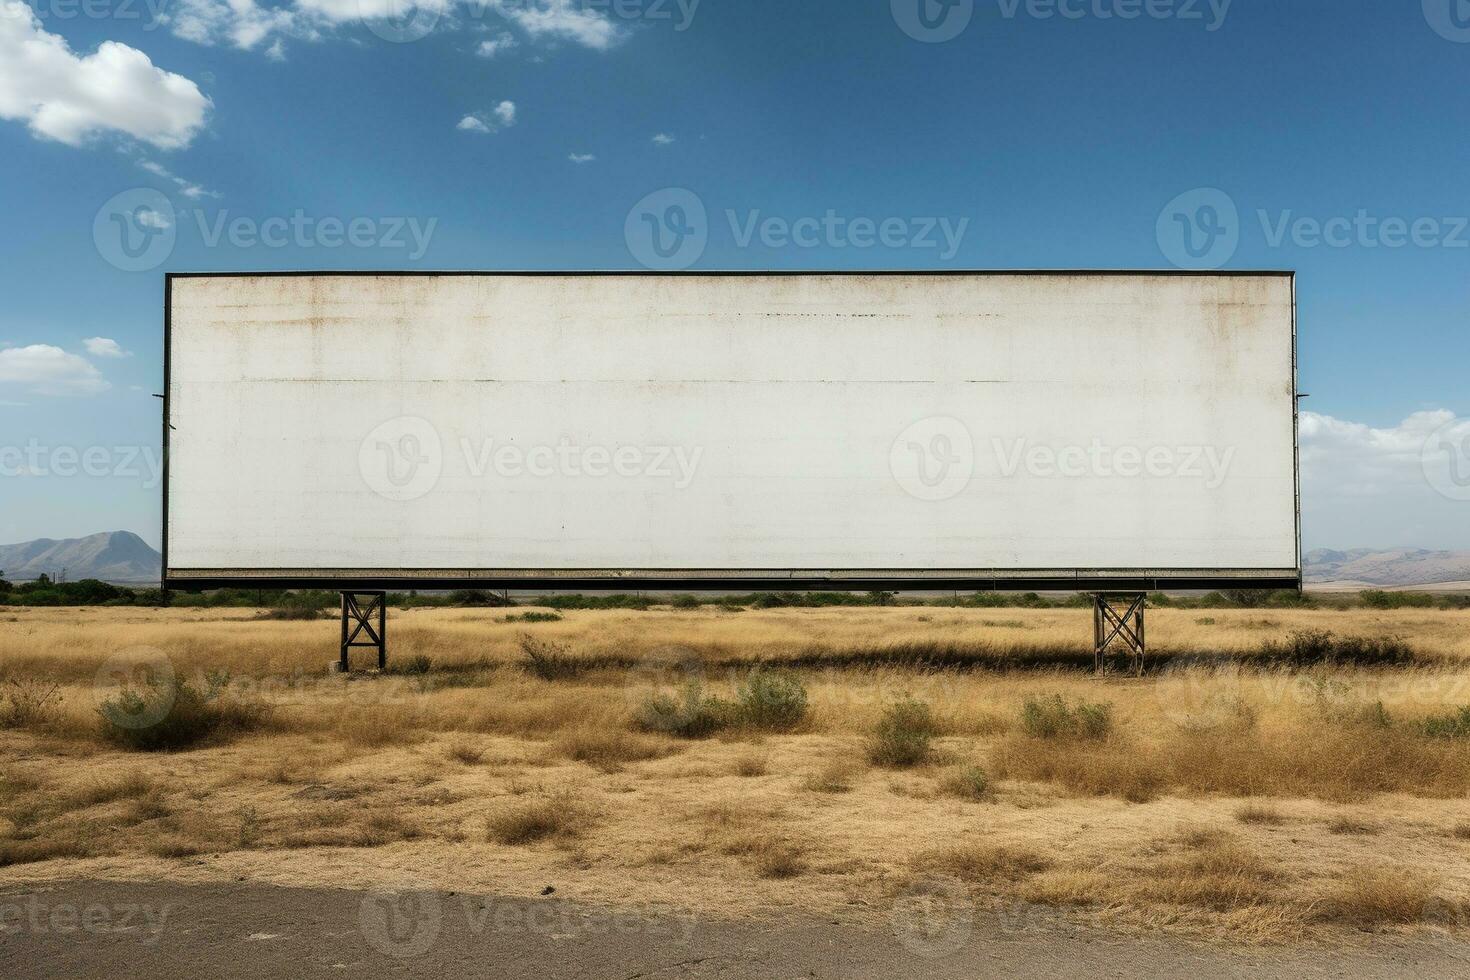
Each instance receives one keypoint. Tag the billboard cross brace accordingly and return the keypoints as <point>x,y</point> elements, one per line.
<point>1116,626</point>
<point>359,619</point>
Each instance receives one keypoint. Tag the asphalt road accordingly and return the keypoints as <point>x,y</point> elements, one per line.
<point>124,930</point>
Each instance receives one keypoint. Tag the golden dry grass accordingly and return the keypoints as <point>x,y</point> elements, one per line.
<point>1219,800</point>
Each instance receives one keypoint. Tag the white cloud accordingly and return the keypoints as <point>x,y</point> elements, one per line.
<point>245,24</point>
<point>663,139</point>
<point>190,190</point>
<point>581,157</point>
<point>1385,487</point>
<point>45,370</point>
<point>567,20</point>
<point>69,98</point>
<point>505,41</point>
<point>502,116</point>
<point>240,23</point>
<point>105,347</point>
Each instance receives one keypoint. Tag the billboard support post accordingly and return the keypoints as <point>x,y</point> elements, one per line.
<point>1117,624</point>
<point>359,619</point>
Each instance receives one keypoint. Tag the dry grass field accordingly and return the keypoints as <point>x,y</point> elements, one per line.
<point>629,757</point>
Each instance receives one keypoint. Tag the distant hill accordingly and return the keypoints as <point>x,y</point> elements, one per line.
<point>113,556</point>
<point>1393,567</point>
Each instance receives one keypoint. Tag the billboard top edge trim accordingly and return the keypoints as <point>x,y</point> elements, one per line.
<point>734,273</point>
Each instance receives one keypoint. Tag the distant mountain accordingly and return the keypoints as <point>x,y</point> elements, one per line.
<point>113,556</point>
<point>1393,567</point>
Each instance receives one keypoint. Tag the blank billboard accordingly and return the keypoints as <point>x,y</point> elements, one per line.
<point>982,429</point>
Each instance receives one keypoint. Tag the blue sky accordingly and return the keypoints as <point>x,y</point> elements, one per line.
<point>520,133</point>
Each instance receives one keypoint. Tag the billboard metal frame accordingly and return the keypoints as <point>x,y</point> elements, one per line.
<point>734,580</point>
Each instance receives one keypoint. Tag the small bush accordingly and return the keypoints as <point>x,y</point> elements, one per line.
<point>968,783</point>
<point>548,661</point>
<point>1378,896</point>
<point>986,862</point>
<point>1378,599</point>
<point>1053,717</point>
<point>466,752</point>
<point>168,715</point>
<point>691,716</point>
<point>27,703</point>
<point>835,777</point>
<point>533,617</point>
<point>1456,724</point>
<point>478,598</point>
<point>1262,815</point>
<point>533,820</point>
<point>609,751</point>
<point>415,666</point>
<point>775,701</point>
<point>903,735</point>
<point>293,613</point>
<point>684,602</point>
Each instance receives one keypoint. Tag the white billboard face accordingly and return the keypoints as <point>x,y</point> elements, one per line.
<point>815,426</point>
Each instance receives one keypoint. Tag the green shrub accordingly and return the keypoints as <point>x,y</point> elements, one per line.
<point>1456,724</point>
<point>479,598</point>
<point>776,700</point>
<point>1378,599</point>
<point>414,666</point>
<point>691,716</point>
<point>1318,646</point>
<point>903,735</point>
<point>968,782</point>
<point>533,617</point>
<point>170,714</point>
<point>684,602</point>
<point>548,661</point>
<point>1053,717</point>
